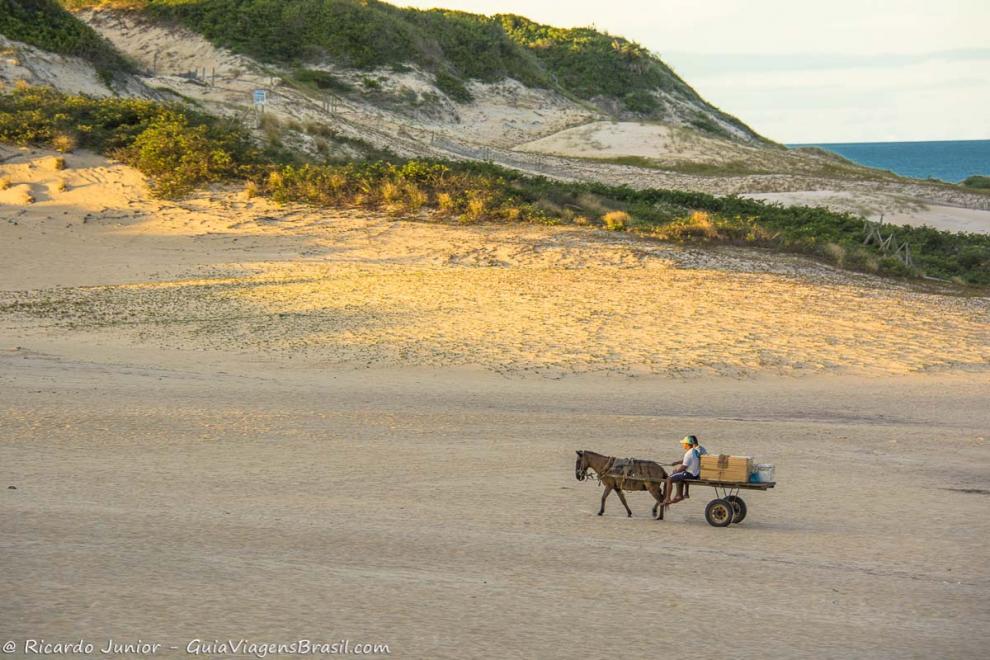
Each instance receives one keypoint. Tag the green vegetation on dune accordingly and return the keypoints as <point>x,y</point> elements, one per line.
<point>181,149</point>
<point>589,63</point>
<point>46,25</point>
<point>977,182</point>
<point>455,46</point>
<point>357,33</point>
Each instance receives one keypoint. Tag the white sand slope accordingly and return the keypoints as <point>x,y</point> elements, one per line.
<point>20,61</point>
<point>606,139</point>
<point>893,209</point>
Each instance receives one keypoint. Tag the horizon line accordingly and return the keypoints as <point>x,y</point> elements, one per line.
<point>815,144</point>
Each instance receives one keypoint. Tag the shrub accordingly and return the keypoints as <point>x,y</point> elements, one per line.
<point>176,147</point>
<point>322,80</point>
<point>591,203</point>
<point>615,220</point>
<point>698,225</point>
<point>415,198</point>
<point>371,84</point>
<point>390,192</point>
<point>894,266</point>
<point>548,206</point>
<point>977,181</point>
<point>974,256</point>
<point>835,253</point>
<point>271,127</point>
<point>64,142</point>
<point>446,203</point>
<point>861,259</point>
<point>476,208</point>
<point>320,129</point>
<point>642,101</point>
<point>512,213</point>
<point>179,156</point>
<point>453,87</point>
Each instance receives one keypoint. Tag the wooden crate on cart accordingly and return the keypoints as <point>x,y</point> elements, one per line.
<point>726,468</point>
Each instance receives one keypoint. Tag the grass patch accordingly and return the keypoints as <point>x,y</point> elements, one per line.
<point>732,168</point>
<point>453,87</point>
<point>322,80</point>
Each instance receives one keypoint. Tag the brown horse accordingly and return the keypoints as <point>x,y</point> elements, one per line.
<point>601,464</point>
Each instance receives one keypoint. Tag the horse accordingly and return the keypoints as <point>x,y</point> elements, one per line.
<point>601,465</point>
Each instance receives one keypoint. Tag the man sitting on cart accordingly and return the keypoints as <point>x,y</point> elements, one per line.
<point>687,469</point>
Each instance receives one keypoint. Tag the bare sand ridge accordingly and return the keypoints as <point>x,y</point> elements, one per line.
<point>224,419</point>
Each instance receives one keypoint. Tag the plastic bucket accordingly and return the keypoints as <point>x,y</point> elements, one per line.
<point>763,473</point>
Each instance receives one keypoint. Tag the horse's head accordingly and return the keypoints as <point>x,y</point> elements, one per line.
<point>581,466</point>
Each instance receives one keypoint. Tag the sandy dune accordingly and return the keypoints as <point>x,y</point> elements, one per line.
<point>223,419</point>
<point>658,142</point>
<point>219,270</point>
<point>531,130</point>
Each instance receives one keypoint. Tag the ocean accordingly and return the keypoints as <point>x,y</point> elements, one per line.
<point>948,160</point>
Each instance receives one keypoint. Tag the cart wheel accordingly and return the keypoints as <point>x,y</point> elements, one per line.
<point>738,508</point>
<point>719,513</point>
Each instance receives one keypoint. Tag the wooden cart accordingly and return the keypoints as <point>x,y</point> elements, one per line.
<point>728,507</point>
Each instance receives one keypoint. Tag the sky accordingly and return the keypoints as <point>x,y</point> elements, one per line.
<point>804,72</point>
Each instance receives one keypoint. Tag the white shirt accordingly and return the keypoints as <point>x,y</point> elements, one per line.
<point>692,462</point>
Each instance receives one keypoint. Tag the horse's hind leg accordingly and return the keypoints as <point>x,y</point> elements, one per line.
<point>622,498</point>
<point>608,489</point>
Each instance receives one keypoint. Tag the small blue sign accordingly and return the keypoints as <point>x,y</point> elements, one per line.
<point>260,96</point>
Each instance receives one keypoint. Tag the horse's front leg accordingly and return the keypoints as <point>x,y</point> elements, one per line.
<point>657,492</point>
<point>608,490</point>
<point>622,498</point>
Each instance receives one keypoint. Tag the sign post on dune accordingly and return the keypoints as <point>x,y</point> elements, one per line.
<point>260,98</point>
